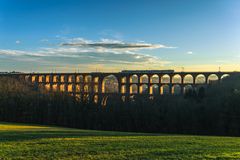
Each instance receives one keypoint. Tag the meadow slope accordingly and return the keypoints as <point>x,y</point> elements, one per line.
<point>20,141</point>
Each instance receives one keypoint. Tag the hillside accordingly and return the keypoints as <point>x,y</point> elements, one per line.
<point>20,141</point>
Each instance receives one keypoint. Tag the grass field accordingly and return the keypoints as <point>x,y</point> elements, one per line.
<point>19,141</point>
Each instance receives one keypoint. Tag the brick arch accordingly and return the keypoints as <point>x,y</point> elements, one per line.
<point>133,78</point>
<point>133,89</point>
<point>177,78</point>
<point>188,79</point>
<point>165,89</point>
<point>110,84</point>
<point>154,89</point>
<point>176,89</point>
<point>55,78</point>
<point>224,76</point>
<point>154,78</point>
<point>143,89</point>
<point>88,78</point>
<point>79,79</point>
<point>187,88</point>
<point>212,78</point>
<point>144,78</point>
<point>200,79</point>
<point>165,78</point>
<point>41,78</point>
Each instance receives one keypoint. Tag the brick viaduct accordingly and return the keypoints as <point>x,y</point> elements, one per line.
<point>127,83</point>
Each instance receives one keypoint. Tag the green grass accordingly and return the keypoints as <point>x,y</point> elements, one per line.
<point>20,141</point>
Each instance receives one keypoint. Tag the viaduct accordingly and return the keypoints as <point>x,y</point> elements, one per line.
<point>124,83</point>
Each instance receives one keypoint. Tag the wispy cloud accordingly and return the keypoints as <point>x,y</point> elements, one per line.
<point>18,42</point>
<point>189,52</point>
<point>44,40</point>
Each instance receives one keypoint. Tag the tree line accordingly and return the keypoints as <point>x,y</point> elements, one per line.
<point>214,111</point>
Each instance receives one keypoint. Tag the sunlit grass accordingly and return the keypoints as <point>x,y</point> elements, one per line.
<point>21,141</point>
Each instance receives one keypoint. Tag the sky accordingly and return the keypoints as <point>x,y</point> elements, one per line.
<point>112,35</point>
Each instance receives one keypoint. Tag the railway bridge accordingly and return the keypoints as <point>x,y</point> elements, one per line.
<point>125,83</point>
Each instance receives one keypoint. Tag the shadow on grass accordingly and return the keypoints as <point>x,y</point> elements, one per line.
<point>7,136</point>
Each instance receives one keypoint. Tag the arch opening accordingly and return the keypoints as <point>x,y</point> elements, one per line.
<point>86,88</point>
<point>200,79</point>
<point>54,87</point>
<point>154,79</point>
<point>62,88</point>
<point>48,78</point>
<point>88,79</point>
<point>176,89</point>
<point>41,79</point>
<point>78,88</point>
<point>62,79</point>
<point>177,79</point>
<point>165,90</point>
<point>96,79</point>
<point>124,79</point>
<point>110,84</point>
<point>70,78</point>
<point>134,78</point>
<point>79,78</point>
<point>188,79</point>
<point>47,87</point>
<point>143,89</point>
<point>95,89</point>
<point>154,89</point>
<point>212,78</point>
<point>95,99</point>
<point>123,89</point>
<point>55,78</point>
<point>70,88</point>
<point>165,78</point>
<point>144,79</point>
<point>133,89</point>
<point>34,78</point>
<point>224,77</point>
<point>187,89</point>
<point>28,78</point>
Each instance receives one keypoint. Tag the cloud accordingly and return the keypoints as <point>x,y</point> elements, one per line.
<point>111,44</point>
<point>75,55</point>
<point>18,42</point>
<point>12,52</point>
<point>189,52</point>
<point>44,40</point>
<point>105,52</point>
<point>111,34</point>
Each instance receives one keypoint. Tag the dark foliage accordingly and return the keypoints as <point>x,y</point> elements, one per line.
<point>214,111</point>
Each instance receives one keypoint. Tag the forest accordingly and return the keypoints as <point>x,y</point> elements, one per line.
<point>212,111</point>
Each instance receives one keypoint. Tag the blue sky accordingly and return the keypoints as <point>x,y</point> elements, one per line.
<point>110,35</point>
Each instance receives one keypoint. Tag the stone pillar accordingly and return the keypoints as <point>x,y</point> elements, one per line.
<point>35,83</point>
<point>206,78</point>
<point>149,84</point>
<point>74,88</point>
<point>127,84</point>
<point>119,78</point>
<point>92,83</point>
<point>182,78</point>
<point>65,83</point>
<point>100,80</point>
<point>44,79</point>
<point>51,82</point>
<point>194,78</point>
